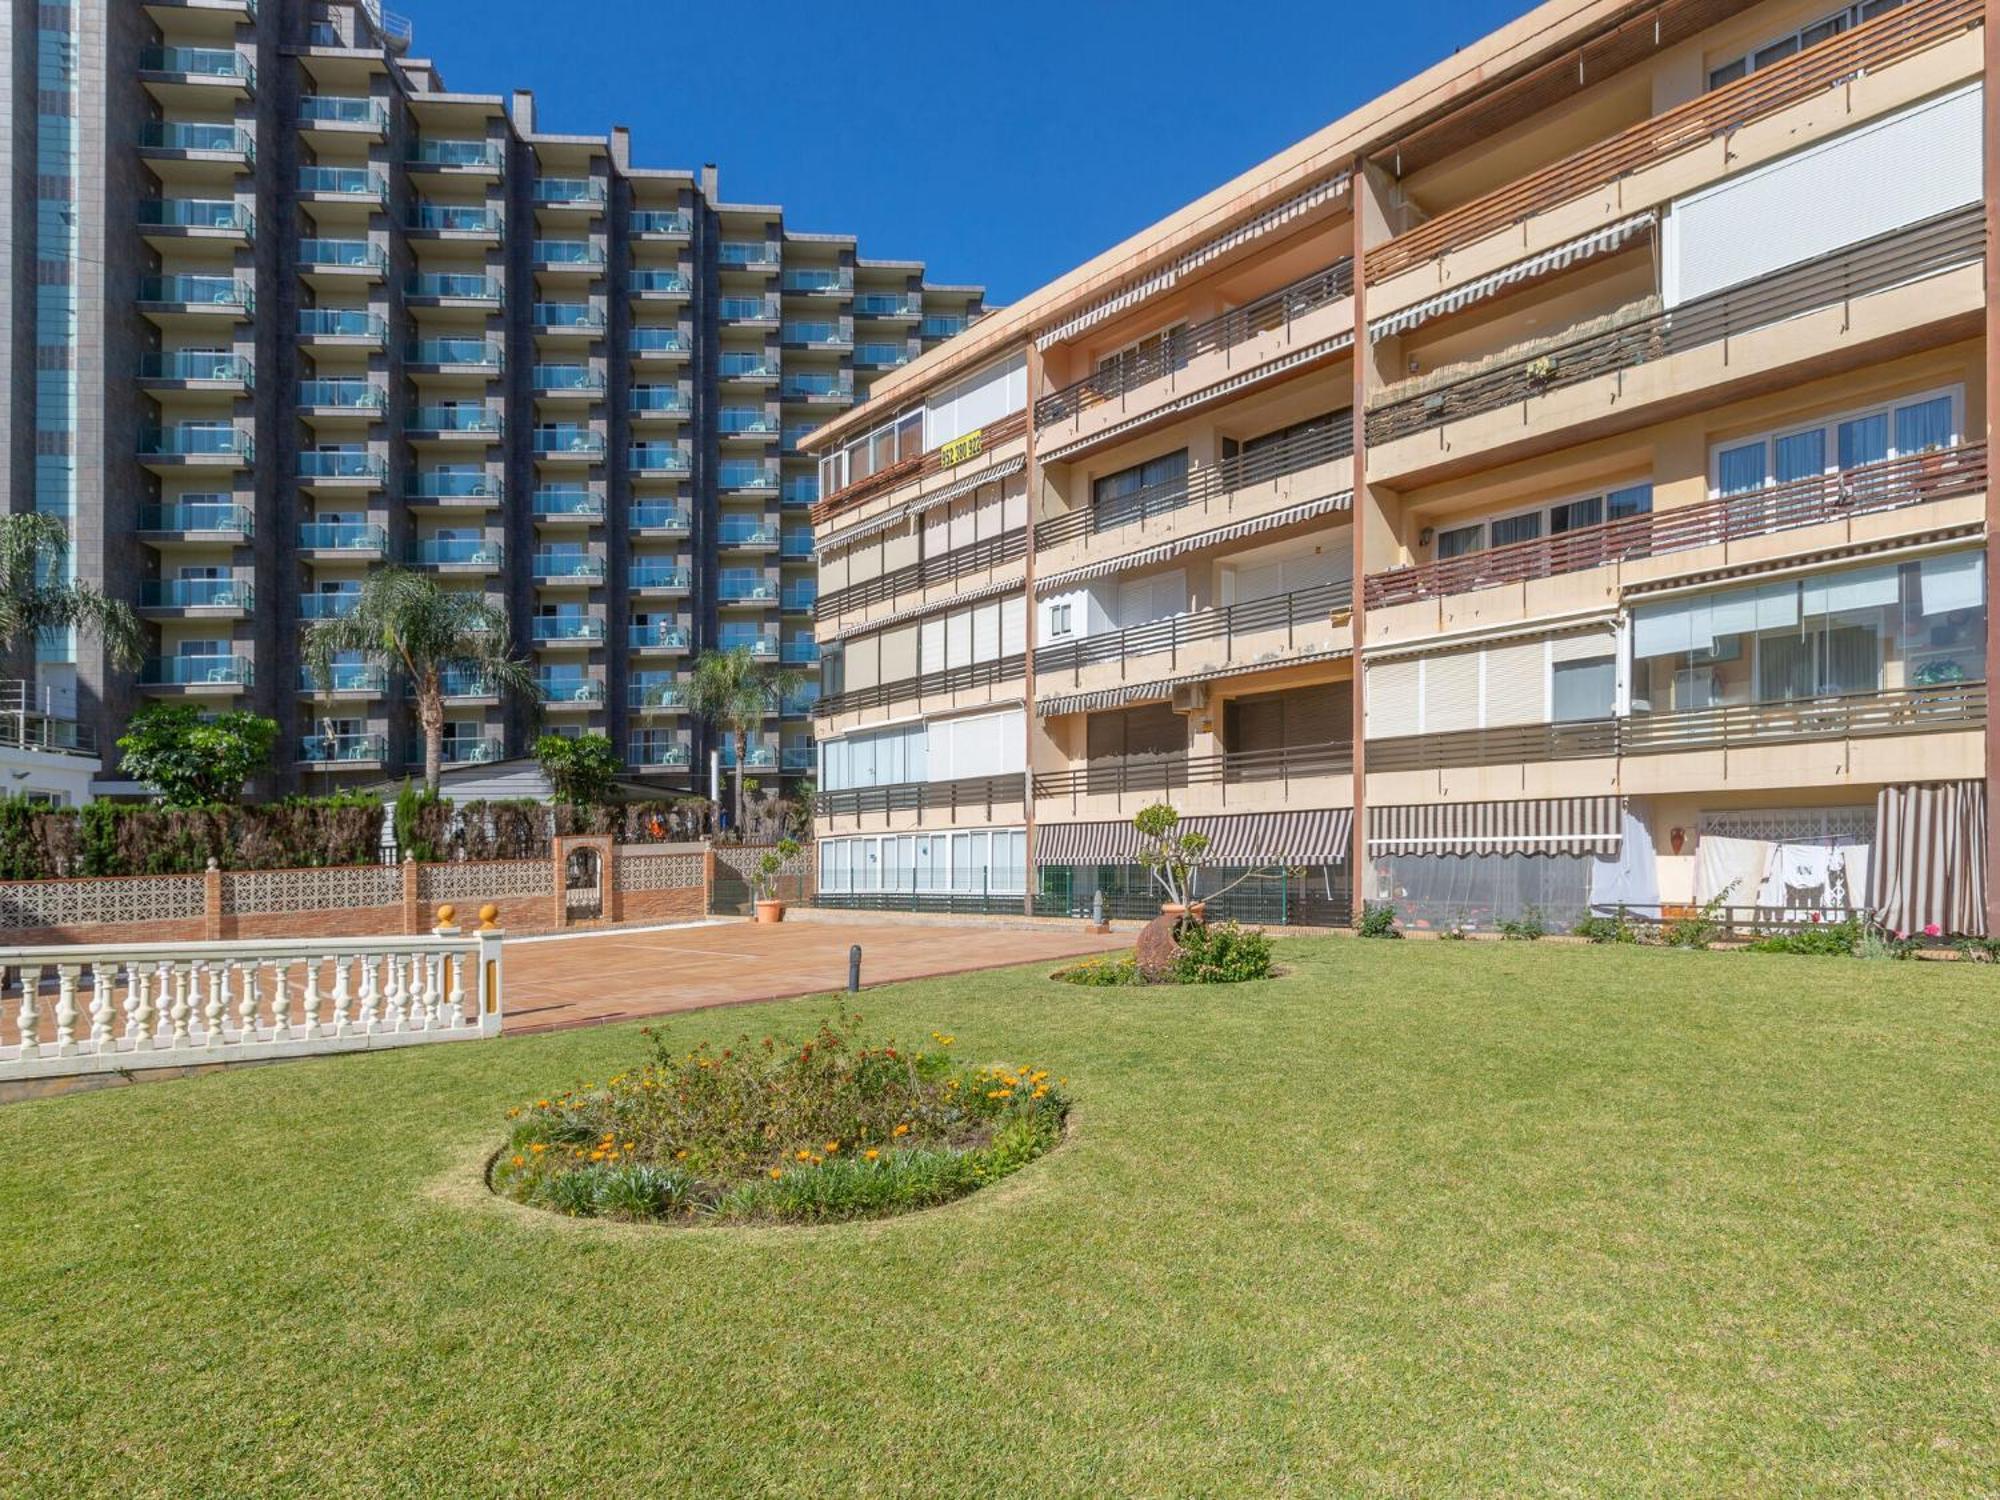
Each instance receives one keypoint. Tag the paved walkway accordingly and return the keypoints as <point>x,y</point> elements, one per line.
<point>621,975</point>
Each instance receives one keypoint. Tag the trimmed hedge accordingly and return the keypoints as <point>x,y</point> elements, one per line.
<point>110,838</point>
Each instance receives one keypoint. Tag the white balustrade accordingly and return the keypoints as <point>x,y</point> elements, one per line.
<point>126,1008</point>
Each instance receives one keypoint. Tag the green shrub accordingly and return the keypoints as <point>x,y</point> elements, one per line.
<point>1111,969</point>
<point>1819,940</point>
<point>1880,943</point>
<point>1378,920</point>
<point>1979,949</point>
<point>1526,928</point>
<point>1701,929</point>
<point>1221,953</point>
<point>1614,929</point>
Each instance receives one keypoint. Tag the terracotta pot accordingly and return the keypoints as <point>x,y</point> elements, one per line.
<point>770,911</point>
<point>1196,909</point>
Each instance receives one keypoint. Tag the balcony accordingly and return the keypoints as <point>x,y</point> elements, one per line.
<point>557,504</point>
<point>748,368</point>
<point>554,569</point>
<point>340,470</point>
<point>461,750</point>
<point>562,691</point>
<point>799,492</point>
<point>196,445</point>
<point>329,604</point>
<point>582,194</point>
<point>832,334</point>
<point>456,157</point>
<point>655,285</point>
<point>559,320</point>
<point>760,647</point>
<point>796,546</point>
<point>330,401</point>
<point>904,307</point>
<point>194,76</point>
<point>882,356</point>
<point>349,540</point>
<point>799,596</point>
<point>474,489</point>
<point>473,223</point>
<point>164,221</point>
<point>458,554</point>
<point>657,638</point>
<point>942,326</point>
<point>197,521</point>
<point>650,345</point>
<point>342,327</point>
<point>353,751</point>
<point>659,580</point>
<point>330,263</point>
<point>346,680</point>
<point>973,677</point>
<point>746,534</point>
<point>748,311</point>
<point>567,630</point>
<point>818,281</point>
<point>453,289</point>
<point>731,590</point>
<point>748,255</point>
<point>343,185</point>
<point>462,687</point>
<point>564,445</point>
<point>557,256</point>
<point>219,673</point>
<point>1183,359</point>
<point>660,224</point>
<point>1890,485</point>
<point>566,382</point>
<point>656,755</point>
<point>1203,783</point>
<point>333,115</point>
<point>918,577</point>
<point>196,598</point>
<point>745,422</point>
<point>741,476</point>
<point>195,370</point>
<point>457,422</point>
<point>812,388</point>
<point>660,403</point>
<point>665,695</point>
<point>755,758</point>
<point>974,796</point>
<point>197,141</point>
<point>656,518</point>
<point>454,357</point>
<point>657,460</point>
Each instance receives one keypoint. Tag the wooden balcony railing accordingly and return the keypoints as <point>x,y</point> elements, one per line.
<point>929,685</point>
<point>1210,488</point>
<point>1147,775</point>
<point>1889,711</point>
<point>1260,616</point>
<point>1889,260</point>
<point>1009,546</point>
<point>1888,485</point>
<point>1128,373</point>
<point>915,467</point>
<point>1873,45</point>
<point>976,794</point>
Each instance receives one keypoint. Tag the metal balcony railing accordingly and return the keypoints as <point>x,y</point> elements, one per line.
<point>456,218</point>
<point>555,379</point>
<point>474,352</point>
<point>972,795</point>
<point>328,749</point>
<point>658,637</point>
<point>980,557</point>
<point>1171,636</point>
<point>546,630</point>
<point>949,681</point>
<point>455,551</point>
<point>345,182</point>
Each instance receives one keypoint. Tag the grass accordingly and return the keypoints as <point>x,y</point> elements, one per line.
<point>1413,1218</point>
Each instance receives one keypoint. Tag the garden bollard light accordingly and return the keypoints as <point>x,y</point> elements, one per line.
<point>854,970</point>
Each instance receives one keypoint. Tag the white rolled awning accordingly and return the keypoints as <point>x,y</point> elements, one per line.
<point>1214,537</point>
<point>896,514</point>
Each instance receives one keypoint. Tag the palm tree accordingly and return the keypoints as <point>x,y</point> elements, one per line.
<point>34,595</point>
<point>734,691</point>
<point>429,631</point>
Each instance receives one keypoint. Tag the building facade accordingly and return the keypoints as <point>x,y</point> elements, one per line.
<point>284,309</point>
<point>1652,571</point>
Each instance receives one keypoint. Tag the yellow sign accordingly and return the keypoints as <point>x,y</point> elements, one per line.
<point>959,449</point>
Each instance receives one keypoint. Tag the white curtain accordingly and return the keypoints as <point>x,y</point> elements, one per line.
<point>1631,877</point>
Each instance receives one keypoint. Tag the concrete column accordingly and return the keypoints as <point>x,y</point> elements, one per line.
<point>211,902</point>
<point>413,912</point>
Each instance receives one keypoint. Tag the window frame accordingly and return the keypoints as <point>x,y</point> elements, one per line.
<point>1830,424</point>
<point>1543,509</point>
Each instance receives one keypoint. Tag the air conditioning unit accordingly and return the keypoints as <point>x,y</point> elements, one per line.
<point>1191,698</point>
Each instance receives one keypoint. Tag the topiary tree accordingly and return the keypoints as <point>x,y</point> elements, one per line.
<point>1174,859</point>
<point>582,769</point>
<point>194,759</point>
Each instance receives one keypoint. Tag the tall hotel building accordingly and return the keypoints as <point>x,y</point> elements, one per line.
<point>282,309</point>
<point>1561,482</point>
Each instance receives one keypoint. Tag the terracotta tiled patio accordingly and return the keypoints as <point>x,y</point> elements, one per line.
<point>621,975</point>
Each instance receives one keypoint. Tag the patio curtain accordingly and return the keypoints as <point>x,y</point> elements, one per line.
<point>1930,858</point>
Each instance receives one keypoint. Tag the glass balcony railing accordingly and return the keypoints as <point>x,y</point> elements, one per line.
<point>197,516</point>
<point>191,364</point>
<point>195,213</point>
<point>659,516</point>
<point>747,309</point>
<point>647,691</point>
<point>344,182</point>
<point>346,676</point>
<point>454,484</point>
<point>888,304</point>
<point>667,400</point>
<point>580,253</point>
<point>881,356</point>
<point>661,221</point>
<point>197,292</point>
<point>198,62</point>
<point>568,442</point>
<point>455,418</point>
<point>659,576</point>
<point>461,684</point>
<point>743,421</point>
<point>743,475</point>
<point>743,365</point>
<point>342,323</point>
<point>458,285</point>
<point>456,552</point>
<point>800,653</point>
<point>556,191</point>
<point>342,255</point>
<point>818,279</point>
<point>659,458</point>
<point>796,546</point>
<point>795,758</point>
<point>455,218</point>
<point>197,135</point>
<point>342,464</point>
<point>552,567</point>
<point>942,325</point>
<point>799,491</point>
<point>640,751</point>
<point>220,669</point>
<point>196,593</point>
<point>343,395</point>
<point>799,596</point>
<point>460,751</point>
<point>659,341</point>
<point>197,440</point>
<point>331,749</point>
<point>745,531</point>
<point>561,315</point>
<point>555,379</point>
<point>477,352</point>
<point>818,333</point>
<point>666,637</point>
<point>756,645</point>
<point>747,254</point>
<point>329,604</point>
<point>816,386</point>
<point>733,589</point>
<point>552,628</point>
<point>755,757</point>
<point>432,151</point>
<point>342,536</point>
<point>670,282</point>
<point>569,687</point>
<point>333,109</point>
<point>553,501</point>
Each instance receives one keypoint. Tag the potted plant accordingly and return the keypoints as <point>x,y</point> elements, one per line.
<point>769,907</point>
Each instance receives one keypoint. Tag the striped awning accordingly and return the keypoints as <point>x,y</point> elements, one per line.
<point>1929,865</point>
<point>1550,825</point>
<point>918,611</point>
<point>899,513</point>
<point>1611,237</point>
<point>1214,537</point>
<point>1312,836</point>
<point>1143,692</point>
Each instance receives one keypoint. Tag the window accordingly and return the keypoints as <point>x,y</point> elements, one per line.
<point>1544,520</point>
<point>1123,497</point>
<point>1794,42</point>
<point>997,391</point>
<point>1897,429</point>
<point>1584,689</point>
<point>1061,621</point>
<point>986,862</point>
<point>891,443</point>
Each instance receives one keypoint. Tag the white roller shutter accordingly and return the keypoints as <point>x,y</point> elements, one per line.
<point>1451,692</point>
<point>958,638</point>
<point>1393,696</point>
<point>863,661</point>
<point>899,546</point>
<point>1517,678</point>
<point>986,631</point>
<point>1014,625</point>
<point>931,655</point>
<point>1584,646</point>
<point>899,653</point>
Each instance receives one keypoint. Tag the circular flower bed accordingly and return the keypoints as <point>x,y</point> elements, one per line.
<point>778,1131</point>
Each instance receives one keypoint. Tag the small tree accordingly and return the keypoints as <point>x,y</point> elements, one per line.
<point>581,768</point>
<point>735,692</point>
<point>765,877</point>
<point>1175,860</point>
<point>194,759</point>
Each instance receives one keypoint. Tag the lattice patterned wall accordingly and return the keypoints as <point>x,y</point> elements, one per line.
<point>1794,825</point>
<point>73,903</point>
<point>336,888</point>
<point>485,880</point>
<point>742,859</point>
<point>642,871</point>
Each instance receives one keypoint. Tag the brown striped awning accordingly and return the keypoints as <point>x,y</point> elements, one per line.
<point>1929,865</point>
<point>1311,836</point>
<point>1550,825</point>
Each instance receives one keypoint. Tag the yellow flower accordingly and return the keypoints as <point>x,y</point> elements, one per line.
<point>538,1148</point>
<point>681,1155</point>
<point>902,1130</point>
<point>831,1147</point>
<point>520,1161</point>
<point>776,1173</point>
<point>871,1153</point>
<point>802,1154</point>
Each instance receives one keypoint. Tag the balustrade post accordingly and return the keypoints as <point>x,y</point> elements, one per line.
<point>163,1004</point>
<point>339,1025</point>
<point>66,1012</point>
<point>101,989</point>
<point>180,977</point>
<point>489,985</point>
<point>135,1005</point>
<point>247,1005</point>
<point>371,994</point>
<point>217,1008</point>
<point>281,1001</point>
<point>392,999</point>
<point>29,1017</point>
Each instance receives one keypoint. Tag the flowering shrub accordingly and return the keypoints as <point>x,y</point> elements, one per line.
<point>836,1127</point>
<point>1221,953</point>
<point>1110,969</point>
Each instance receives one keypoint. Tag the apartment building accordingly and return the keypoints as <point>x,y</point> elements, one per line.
<point>1653,570</point>
<point>284,309</point>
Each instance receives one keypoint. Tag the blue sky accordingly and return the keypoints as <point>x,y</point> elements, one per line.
<point>1002,144</point>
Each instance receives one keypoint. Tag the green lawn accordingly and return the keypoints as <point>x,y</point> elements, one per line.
<point>1415,1219</point>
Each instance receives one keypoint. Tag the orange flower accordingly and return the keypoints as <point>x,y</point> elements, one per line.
<point>902,1130</point>
<point>520,1161</point>
<point>776,1173</point>
<point>831,1147</point>
<point>538,1148</point>
<point>871,1153</point>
